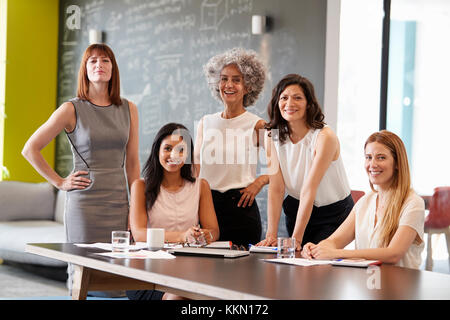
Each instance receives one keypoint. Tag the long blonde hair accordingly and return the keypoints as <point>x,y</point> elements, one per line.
<point>399,188</point>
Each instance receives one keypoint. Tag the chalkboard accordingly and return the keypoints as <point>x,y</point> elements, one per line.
<point>161,46</point>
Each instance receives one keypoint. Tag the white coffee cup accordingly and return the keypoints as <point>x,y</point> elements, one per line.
<point>155,238</point>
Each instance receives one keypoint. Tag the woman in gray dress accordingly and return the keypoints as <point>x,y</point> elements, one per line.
<point>102,128</point>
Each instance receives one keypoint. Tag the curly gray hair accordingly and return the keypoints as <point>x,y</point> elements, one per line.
<point>252,69</point>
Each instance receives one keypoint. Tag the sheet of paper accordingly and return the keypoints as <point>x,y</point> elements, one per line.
<point>141,254</point>
<point>299,261</point>
<point>362,263</point>
<point>172,246</point>
<point>220,245</point>
<point>108,246</point>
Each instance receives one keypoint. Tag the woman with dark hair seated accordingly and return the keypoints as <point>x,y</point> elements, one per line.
<point>169,197</point>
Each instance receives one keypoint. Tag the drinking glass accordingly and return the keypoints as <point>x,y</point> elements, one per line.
<point>120,241</point>
<point>286,248</point>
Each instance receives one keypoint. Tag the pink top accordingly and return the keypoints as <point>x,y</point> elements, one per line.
<point>176,210</point>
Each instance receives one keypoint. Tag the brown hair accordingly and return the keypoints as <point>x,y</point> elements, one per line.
<point>314,115</point>
<point>114,82</point>
<point>400,186</point>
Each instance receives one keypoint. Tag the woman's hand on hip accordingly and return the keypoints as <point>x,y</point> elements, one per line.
<point>249,194</point>
<point>75,181</point>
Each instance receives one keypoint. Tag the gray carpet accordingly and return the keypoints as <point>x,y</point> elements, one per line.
<point>17,282</point>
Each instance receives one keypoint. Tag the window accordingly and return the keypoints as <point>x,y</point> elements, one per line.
<point>418,108</point>
<point>359,83</point>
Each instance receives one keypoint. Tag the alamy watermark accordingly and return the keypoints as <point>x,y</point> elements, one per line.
<point>232,147</point>
<point>73,21</point>
<point>374,280</point>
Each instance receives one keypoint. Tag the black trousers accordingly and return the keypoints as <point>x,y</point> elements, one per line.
<point>323,221</point>
<point>144,294</point>
<point>240,225</point>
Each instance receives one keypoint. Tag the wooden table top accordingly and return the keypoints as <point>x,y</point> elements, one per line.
<point>252,278</point>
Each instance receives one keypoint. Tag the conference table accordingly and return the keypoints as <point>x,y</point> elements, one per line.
<point>243,278</point>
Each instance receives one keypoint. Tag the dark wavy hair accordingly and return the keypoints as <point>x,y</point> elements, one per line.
<point>314,115</point>
<point>153,172</point>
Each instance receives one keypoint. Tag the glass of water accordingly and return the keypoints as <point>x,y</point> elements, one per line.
<point>286,248</point>
<point>120,241</point>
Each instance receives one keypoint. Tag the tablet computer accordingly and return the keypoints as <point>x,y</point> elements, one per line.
<point>222,253</point>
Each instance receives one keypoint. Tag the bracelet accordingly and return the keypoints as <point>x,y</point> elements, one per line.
<point>210,235</point>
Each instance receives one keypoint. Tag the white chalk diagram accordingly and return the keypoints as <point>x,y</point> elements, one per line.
<point>177,98</point>
<point>213,13</point>
<point>113,21</point>
<point>148,107</point>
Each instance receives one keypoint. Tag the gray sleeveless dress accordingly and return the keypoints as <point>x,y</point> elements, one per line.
<point>98,145</point>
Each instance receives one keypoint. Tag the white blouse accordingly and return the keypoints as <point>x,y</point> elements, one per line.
<point>367,233</point>
<point>295,162</point>
<point>228,155</point>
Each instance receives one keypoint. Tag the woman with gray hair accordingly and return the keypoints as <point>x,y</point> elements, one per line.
<point>226,147</point>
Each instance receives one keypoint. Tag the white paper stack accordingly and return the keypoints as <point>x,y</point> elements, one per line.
<point>141,254</point>
<point>108,246</point>
<point>336,262</point>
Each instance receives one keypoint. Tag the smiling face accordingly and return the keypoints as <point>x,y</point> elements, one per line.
<point>172,153</point>
<point>231,85</point>
<point>292,103</point>
<point>99,67</point>
<point>380,165</point>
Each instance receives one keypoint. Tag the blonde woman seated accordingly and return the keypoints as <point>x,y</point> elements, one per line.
<point>386,224</point>
<point>170,197</point>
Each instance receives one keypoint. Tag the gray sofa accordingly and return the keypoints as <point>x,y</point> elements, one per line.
<point>30,212</point>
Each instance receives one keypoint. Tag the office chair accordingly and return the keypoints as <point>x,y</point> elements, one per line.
<point>356,194</point>
<point>438,221</point>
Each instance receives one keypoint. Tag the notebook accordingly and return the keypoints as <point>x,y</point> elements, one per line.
<point>223,253</point>
<point>355,263</point>
<point>262,249</point>
<point>220,245</point>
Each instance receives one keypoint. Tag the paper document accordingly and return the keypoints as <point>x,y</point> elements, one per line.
<point>108,246</point>
<point>220,245</point>
<point>172,245</point>
<point>136,246</point>
<point>141,254</point>
<point>299,261</point>
<point>338,262</point>
<point>355,262</point>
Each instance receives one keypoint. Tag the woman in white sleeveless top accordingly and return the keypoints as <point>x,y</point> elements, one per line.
<point>310,166</point>
<point>386,224</point>
<point>227,144</point>
<point>170,197</point>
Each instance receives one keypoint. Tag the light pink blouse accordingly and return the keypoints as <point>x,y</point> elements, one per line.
<point>176,210</point>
